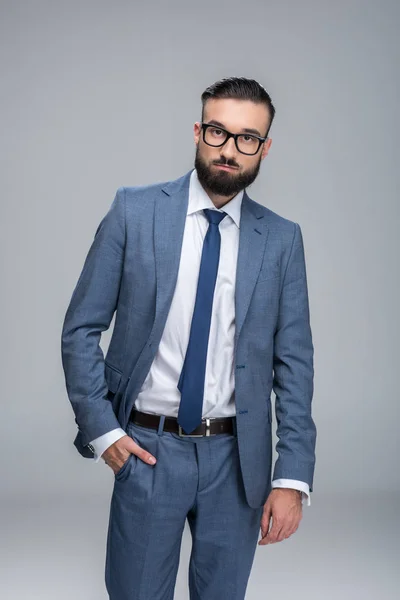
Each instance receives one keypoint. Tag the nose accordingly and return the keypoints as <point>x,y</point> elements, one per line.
<point>229,149</point>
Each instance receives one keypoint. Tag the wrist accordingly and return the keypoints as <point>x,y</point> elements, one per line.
<point>297,492</point>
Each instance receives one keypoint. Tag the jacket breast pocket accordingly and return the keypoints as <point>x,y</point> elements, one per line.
<point>271,270</point>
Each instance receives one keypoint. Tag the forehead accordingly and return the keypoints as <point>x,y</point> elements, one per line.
<point>237,115</point>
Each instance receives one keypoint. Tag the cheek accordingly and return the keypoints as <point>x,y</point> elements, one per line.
<point>246,163</point>
<point>208,154</point>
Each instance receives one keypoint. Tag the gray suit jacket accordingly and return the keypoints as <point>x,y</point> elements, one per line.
<point>131,268</point>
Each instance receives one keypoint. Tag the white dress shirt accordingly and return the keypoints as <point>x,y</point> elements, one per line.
<point>159,393</point>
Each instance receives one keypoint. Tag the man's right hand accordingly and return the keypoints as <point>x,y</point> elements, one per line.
<point>118,453</point>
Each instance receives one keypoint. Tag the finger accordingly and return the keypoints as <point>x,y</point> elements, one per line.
<point>283,534</point>
<point>274,532</point>
<point>267,534</point>
<point>142,454</point>
<point>265,521</point>
<point>287,529</point>
<point>293,529</point>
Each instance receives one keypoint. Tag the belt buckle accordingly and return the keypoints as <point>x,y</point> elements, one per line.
<point>207,433</point>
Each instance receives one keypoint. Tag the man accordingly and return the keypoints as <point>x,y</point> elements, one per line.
<point>211,301</point>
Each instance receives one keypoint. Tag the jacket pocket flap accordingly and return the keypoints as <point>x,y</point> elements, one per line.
<point>113,377</point>
<point>270,270</point>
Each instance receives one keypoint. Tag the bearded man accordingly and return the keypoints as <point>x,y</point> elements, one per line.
<point>210,294</point>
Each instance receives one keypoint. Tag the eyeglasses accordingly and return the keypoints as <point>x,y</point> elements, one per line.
<point>245,142</point>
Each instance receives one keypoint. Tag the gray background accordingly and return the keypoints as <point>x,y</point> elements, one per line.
<point>95,95</point>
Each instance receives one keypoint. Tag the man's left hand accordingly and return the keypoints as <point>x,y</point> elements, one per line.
<point>284,505</point>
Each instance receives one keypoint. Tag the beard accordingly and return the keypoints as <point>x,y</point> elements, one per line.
<point>222,182</point>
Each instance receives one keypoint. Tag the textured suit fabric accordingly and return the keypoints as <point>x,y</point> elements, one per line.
<point>132,266</point>
<point>194,478</point>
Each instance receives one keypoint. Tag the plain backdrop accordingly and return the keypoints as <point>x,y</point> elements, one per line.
<point>95,95</point>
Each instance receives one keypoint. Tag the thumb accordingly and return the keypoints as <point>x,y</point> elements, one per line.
<point>265,520</point>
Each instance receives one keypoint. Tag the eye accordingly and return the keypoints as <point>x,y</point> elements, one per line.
<point>217,132</point>
<point>247,138</point>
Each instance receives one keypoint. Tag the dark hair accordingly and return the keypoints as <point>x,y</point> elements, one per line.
<point>239,88</point>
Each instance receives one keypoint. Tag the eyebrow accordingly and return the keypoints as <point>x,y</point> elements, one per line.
<point>244,129</point>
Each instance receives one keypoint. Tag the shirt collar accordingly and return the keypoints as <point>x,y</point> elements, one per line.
<point>199,199</point>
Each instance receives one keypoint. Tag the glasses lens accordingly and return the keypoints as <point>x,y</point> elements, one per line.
<point>214,136</point>
<point>248,144</point>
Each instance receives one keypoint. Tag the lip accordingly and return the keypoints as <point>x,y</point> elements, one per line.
<point>226,168</point>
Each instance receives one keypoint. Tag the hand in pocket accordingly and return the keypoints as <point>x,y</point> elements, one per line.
<point>118,453</point>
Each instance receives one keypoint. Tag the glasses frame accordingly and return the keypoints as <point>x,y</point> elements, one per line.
<point>261,140</point>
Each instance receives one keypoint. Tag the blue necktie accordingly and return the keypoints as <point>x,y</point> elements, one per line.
<point>191,381</point>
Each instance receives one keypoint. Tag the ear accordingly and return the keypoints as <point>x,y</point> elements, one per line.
<point>266,147</point>
<point>196,131</point>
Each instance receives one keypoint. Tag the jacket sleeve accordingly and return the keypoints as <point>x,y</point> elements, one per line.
<point>89,313</point>
<point>294,373</point>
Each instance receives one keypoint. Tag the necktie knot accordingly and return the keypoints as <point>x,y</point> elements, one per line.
<point>214,216</point>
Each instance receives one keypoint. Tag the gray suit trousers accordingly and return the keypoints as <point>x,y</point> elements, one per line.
<point>197,479</point>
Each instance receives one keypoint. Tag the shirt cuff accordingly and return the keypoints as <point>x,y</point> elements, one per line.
<point>302,486</point>
<point>101,443</point>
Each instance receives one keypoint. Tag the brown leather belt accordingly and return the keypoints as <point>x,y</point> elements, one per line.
<point>210,426</point>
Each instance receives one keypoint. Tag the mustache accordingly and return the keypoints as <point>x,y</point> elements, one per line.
<point>227,163</point>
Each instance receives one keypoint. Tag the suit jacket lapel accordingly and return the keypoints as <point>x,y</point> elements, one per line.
<point>252,240</point>
<point>169,224</point>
